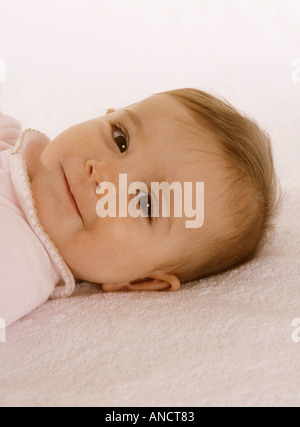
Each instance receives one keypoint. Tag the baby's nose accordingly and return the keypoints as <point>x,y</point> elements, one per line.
<point>99,171</point>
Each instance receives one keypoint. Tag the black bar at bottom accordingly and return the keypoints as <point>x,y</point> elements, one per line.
<point>150,415</point>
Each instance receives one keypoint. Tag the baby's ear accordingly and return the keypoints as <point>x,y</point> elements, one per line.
<point>157,281</point>
<point>110,110</point>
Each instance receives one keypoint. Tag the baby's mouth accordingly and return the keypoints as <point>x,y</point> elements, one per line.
<point>71,197</point>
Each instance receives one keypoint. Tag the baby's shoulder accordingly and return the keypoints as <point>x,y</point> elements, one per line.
<point>25,281</point>
<point>25,256</point>
<point>10,129</point>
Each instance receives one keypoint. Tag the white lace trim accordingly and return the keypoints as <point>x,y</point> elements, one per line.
<point>69,286</point>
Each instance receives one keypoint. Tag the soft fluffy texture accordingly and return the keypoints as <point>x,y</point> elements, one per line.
<point>226,340</point>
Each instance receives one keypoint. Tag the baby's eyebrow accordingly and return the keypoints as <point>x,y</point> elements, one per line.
<point>135,118</point>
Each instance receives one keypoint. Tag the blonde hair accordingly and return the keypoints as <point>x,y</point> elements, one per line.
<point>252,193</point>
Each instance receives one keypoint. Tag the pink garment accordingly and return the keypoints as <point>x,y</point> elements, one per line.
<point>31,268</point>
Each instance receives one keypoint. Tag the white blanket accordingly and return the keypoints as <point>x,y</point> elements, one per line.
<point>228,340</point>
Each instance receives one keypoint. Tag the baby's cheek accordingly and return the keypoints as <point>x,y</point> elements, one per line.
<point>117,236</point>
<point>115,231</point>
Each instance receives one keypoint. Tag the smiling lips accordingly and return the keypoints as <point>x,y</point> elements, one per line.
<point>71,197</point>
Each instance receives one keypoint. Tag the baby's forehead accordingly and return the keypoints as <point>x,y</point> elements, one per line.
<point>192,152</point>
<point>181,148</point>
<point>164,112</point>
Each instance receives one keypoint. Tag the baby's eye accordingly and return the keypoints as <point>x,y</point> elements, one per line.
<point>147,206</point>
<point>121,138</point>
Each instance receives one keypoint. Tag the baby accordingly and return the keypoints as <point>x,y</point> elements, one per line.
<point>52,233</point>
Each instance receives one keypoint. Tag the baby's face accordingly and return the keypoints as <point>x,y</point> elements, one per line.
<point>146,142</point>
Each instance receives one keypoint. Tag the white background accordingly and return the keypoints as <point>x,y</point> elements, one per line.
<point>69,60</point>
<point>224,341</point>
